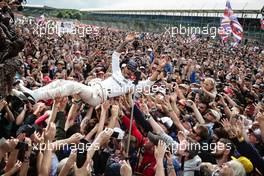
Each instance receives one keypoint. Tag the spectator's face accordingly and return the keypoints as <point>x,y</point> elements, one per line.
<point>195,134</point>
<point>29,59</point>
<point>208,85</point>
<point>100,75</point>
<point>202,107</point>
<point>252,139</point>
<point>208,116</point>
<point>60,67</point>
<point>57,76</point>
<point>220,150</point>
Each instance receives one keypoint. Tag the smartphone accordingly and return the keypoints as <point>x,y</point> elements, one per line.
<point>217,98</point>
<point>115,134</point>
<point>30,130</point>
<point>22,146</point>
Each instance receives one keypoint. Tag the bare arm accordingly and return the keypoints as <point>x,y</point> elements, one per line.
<point>230,101</point>
<point>159,155</point>
<point>21,116</point>
<point>54,111</point>
<point>9,115</point>
<point>11,160</point>
<point>71,116</point>
<point>114,116</point>
<point>25,165</point>
<point>197,113</point>
<point>104,107</point>
<point>69,164</point>
<point>226,108</point>
<point>91,133</point>
<point>49,136</point>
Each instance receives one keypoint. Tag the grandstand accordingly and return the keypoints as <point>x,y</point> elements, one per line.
<point>156,19</point>
<point>198,15</point>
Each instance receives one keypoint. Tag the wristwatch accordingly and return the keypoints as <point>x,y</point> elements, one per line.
<point>147,116</point>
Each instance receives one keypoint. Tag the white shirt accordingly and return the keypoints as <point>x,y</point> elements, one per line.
<point>117,84</point>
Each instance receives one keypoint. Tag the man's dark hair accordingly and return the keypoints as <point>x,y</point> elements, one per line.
<point>204,133</point>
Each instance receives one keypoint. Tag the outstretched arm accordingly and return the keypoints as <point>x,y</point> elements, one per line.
<point>116,54</point>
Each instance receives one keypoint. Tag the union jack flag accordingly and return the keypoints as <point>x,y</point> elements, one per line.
<point>262,23</point>
<point>230,25</point>
<point>262,20</point>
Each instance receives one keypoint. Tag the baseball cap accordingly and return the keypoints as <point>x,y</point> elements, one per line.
<point>247,164</point>
<point>166,121</point>
<point>216,114</point>
<point>256,133</point>
<point>132,65</point>
<point>60,62</point>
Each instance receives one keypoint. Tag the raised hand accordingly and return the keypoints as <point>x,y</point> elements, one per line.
<point>50,132</point>
<point>36,137</point>
<point>160,150</point>
<point>17,165</point>
<point>191,104</point>
<point>260,118</point>
<point>125,169</point>
<point>232,131</point>
<point>144,108</point>
<point>3,103</point>
<point>75,138</point>
<point>130,37</point>
<point>173,97</point>
<point>106,105</point>
<point>104,135</point>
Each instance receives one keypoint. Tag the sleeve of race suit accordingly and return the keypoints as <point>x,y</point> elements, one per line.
<point>116,62</point>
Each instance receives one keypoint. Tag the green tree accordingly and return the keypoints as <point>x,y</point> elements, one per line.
<point>77,15</point>
<point>59,15</point>
<point>70,14</point>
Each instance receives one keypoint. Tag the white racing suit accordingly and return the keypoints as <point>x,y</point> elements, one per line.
<point>96,92</point>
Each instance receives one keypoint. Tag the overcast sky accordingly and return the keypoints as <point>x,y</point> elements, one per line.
<point>147,4</point>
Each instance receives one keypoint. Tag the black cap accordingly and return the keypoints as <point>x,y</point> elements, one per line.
<point>132,65</point>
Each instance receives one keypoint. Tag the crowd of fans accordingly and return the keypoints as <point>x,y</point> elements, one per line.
<point>203,116</point>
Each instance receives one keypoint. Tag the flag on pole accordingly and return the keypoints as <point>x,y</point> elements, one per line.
<point>230,24</point>
<point>262,23</point>
<point>40,20</point>
<point>261,19</point>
